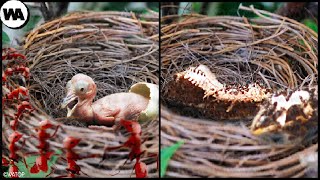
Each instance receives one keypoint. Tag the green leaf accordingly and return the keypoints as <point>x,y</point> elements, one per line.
<point>5,38</point>
<point>311,24</point>
<point>166,154</point>
<point>30,160</point>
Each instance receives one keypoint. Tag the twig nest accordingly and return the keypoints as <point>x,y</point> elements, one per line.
<point>116,49</point>
<point>150,91</point>
<point>275,52</point>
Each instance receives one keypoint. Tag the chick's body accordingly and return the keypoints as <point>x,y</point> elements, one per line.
<point>120,106</point>
<point>108,110</point>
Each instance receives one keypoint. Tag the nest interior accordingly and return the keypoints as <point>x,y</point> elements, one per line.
<point>275,51</point>
<point>116,49</point>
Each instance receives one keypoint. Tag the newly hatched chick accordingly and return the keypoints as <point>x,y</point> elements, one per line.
<point>106,111</point>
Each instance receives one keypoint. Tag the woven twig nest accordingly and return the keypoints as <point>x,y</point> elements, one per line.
<point>277,53</point>
<point>116,49</point>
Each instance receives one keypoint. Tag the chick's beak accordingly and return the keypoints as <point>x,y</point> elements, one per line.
<point>69,98</point>
<point>70,102</point>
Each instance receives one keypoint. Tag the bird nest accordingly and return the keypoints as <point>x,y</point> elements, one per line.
<point>270,54</point>
<point>116,49</point>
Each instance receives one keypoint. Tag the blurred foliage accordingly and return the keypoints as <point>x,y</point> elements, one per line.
<point>196,7</point>
<point>34,19</point>
<point>311,24</point>
<point>137,7</point>
<point>229,8</point>
<point>5,38</point>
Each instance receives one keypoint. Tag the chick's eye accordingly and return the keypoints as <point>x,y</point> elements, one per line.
<point>82,86</point>
<point>82,89</point>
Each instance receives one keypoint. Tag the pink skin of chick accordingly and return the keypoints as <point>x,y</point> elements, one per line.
<point>106,111</point>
